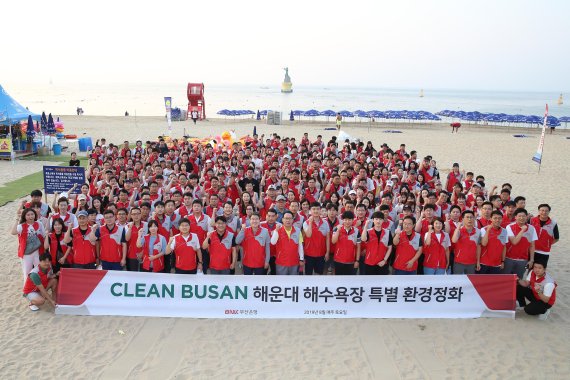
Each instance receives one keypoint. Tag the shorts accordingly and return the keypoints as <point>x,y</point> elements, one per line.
<point>34,296</point>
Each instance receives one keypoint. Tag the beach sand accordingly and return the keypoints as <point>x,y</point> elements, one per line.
<point>42,344</point>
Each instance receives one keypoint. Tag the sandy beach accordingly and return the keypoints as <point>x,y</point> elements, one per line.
<point>42,344</point>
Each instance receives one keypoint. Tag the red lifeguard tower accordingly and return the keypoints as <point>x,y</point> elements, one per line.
<point>196,100</point>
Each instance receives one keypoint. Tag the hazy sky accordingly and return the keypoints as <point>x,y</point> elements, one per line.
<point>494,45</point>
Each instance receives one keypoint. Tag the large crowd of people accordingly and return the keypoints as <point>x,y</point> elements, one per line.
<point>278,206</point>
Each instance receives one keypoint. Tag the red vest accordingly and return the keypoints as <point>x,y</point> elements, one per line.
<point>30,287</point>
<point>53,248</point>
<point>83,250</point>
<point>545,234</point>
<point>221,250</point>
<point>132,248</point>
<point>466,247</point>
<point>23,238</point>
<point>270,229</point>
<point>199,227</point>
<point>111,248</point>
<point>253,249</point>
<point>406,250</point>
<point>184,253</point>
<point>521,250</point>
<point>376,248</point>
<point>287,247</point>
<point>492,253</point>
<point>434,253</point>
<point>157,264</point>
<point>544,279</point>
<point>316,245</point>
<point>346,246</point>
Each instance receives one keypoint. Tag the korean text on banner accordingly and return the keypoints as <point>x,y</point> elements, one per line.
<point>100,292</point>
<point>62,178</point>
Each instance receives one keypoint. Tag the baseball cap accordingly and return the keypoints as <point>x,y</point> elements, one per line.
<point>271,187</point>
<point>389,183</point>
<point>476,184</point>
<point>81,213</point>
<point>281,198</point>
<point>286,157</point>
<point>351,192</point>
<point>81,197</point>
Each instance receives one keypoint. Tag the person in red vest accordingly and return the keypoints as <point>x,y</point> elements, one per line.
<point>186,248</point>
<point>347,240</point>
<point>255,242</point>
<point>38,282</point>
<point>467,240</point>
<point>547,231</point>
<point>494,241</point>
<point>31,235</point>
<point>112,242</point>
<point>520,250</point>
<point>84,253</point>
<point>56,246</point>
<point>408,245</point>
<point>153,247</point>
<point>436,248</point>
<point>540,289</point>
<point>379,247</point>
<point>222,247</point>
<point>200,225</point>
<point>288,242</point>
<point>270,224</point>
<point>316,242</point>
<point>455,176</point>
<point>134,253</point>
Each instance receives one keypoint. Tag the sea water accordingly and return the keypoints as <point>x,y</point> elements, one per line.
<point>148,99</point>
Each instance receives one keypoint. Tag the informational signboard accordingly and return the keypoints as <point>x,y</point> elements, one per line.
<point>100,292</point>
<point>6,146</point>
<point>61,178</point>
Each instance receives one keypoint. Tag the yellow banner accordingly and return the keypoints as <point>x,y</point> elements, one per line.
<point>5,145</point>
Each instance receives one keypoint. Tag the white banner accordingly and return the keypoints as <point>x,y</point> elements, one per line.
<point>97,292</point>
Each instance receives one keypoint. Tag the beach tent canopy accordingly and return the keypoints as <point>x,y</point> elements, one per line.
<point>11,111</point>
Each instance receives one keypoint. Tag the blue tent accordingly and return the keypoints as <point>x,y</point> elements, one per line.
<point>11,111</point>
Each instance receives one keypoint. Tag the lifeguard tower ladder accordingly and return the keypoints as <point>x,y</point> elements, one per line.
<point>196,100</point>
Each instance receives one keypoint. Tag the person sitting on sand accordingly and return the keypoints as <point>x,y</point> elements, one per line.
<point>38,282</point>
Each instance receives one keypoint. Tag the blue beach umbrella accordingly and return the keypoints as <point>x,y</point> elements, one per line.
<point>224,112</point>
<point>346,113</point>
<point>298,112</point>
<point>327,113</point>
<point>50,125</point>
<point>263,113</point>
<point>258,117</point>
<point>30,131</point>
<point>564,119</point>
<point>311,113</point>
<point>291,116</point>
<point>255,128</point>
<point>43,123</point>
<point>552,121</point>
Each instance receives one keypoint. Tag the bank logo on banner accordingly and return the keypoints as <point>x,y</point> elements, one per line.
<point>100,292</point>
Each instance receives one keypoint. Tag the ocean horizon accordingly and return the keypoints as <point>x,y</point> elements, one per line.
<point>148,99</point>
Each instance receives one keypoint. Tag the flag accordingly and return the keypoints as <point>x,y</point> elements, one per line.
<point>538,155</point>
<point>168,106</point>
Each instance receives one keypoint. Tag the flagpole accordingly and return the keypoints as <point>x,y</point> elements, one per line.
<point>538,155</point>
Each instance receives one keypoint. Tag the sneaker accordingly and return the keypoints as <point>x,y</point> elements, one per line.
<point>544,317</point>
<point>34,308</point>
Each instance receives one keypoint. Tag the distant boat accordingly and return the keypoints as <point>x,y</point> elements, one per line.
<point>560,100</point>
<point>422,93</point>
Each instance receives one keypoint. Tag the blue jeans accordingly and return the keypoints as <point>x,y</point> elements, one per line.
<point>404,272</point>
<point>107,265</point>
<point>432,271</point>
